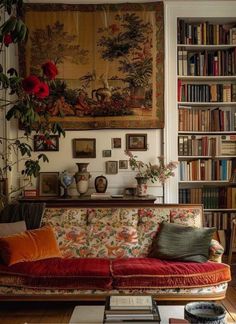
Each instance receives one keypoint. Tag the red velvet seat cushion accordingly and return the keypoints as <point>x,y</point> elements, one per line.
<point>155,273</point>
<point>74,273</point>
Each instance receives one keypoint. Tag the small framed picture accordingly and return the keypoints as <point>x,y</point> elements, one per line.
<point>111,167</point>
<point>49,184</point>
<point>106,153</point>
<point>84,148</point>
<point>42,143</point>
<point>136,142</point>
<point>123,164</point>
<point>116,142</point>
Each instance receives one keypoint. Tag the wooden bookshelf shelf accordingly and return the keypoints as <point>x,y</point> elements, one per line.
<point>206,47</point>
<point>218,103</point>
<point>207,133</point>
<point>183,157</point>
<point>214,78</point>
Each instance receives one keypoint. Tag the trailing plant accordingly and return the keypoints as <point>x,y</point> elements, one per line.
<point>25,99</point>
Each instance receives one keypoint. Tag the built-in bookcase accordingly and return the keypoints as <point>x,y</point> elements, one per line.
<point>206,103</point>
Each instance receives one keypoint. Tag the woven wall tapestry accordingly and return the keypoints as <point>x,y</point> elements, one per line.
<point>110,60</point>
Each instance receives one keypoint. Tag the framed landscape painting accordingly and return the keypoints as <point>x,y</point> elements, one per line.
<point>84,148</point>
<point>110,60</point>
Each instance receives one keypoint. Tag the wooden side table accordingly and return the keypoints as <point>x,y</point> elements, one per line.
<point>232,240</point>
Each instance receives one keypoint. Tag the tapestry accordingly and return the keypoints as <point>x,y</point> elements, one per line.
<point>110,60</point>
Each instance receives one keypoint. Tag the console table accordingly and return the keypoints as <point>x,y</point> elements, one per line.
<point>87,201</point>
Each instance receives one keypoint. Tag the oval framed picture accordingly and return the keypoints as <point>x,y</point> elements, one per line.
<point>100,184</point>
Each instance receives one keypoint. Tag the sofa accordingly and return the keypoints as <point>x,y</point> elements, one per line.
<point>106,251</point>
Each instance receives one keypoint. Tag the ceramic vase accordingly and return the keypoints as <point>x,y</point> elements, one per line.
<point>141,186</point>
<point>66,180</point>
<point>82,178</point>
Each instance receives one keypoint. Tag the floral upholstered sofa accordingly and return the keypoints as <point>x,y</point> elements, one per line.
<point>106,251</point>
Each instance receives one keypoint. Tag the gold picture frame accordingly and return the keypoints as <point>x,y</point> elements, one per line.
<point>49,184</point>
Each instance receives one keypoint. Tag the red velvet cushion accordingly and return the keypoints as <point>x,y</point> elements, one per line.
<point>155,273</point>
<point>74,273</point>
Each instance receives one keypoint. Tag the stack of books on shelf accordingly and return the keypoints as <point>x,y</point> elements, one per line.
<point>131,309</point>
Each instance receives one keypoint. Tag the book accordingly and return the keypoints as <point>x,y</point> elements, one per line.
<point>101,195</point>
<point>127,314</point>
<point>131,302</point>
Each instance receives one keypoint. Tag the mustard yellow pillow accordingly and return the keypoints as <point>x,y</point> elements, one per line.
<point>31,245</point>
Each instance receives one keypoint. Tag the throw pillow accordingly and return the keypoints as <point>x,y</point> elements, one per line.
<point>182,243</point>
<point>31,245</point>
<point>7,229</point>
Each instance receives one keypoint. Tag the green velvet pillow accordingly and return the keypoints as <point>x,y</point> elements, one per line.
<point>182,243</point>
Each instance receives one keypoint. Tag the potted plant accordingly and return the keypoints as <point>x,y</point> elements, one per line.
<point>147,171</point>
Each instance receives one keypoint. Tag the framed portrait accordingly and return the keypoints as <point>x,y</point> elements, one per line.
<point>111,167</point>
<point>42,143</point>
<point>106,153</point>
<point>114,75</point>
<point>48,184</point>
<point>116,142</point>
<point>84,148</point>
<point>136,142</point>
<point>123,164</point>
<point>100,184</point>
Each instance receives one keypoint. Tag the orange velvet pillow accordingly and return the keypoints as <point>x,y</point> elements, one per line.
<point>31,245</point>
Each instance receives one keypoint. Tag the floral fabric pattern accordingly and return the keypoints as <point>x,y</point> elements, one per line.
<point>148,225</point>
<point>186,216</point>
<point>113,232</point>
<point>70,227</point>
<point>203,291</point>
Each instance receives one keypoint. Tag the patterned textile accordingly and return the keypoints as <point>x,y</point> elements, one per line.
<point>155,273</point>
<point>215,290</point>
<point>148,225</point>
<point>186,216</point>
<point>113,232</point>
<point>70,226</point>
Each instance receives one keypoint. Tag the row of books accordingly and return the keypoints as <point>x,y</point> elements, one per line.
<point>206,170</point>
<point>131,309</point>
<point>207,119</point>
<point>212,219</point>
<point>206,92</point>
<point>210,197</point>
<point>207,63</point>
<point>204,33</point>
<point>193,145</point>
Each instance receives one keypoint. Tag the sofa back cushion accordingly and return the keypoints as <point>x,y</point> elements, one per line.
<point>114,232</point>
<point>70,227</point>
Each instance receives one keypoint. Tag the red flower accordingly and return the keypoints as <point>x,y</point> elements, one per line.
<point>50,70</point>
<point>42,90</point>
<point>30,84</point>
<point>7,40</point>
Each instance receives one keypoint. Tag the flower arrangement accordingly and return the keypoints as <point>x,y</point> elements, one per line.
<point>154,172</point>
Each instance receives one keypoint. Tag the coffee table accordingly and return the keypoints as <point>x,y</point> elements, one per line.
<point>94,314</point>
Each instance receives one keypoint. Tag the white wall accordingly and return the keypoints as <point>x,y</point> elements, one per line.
<point>63,160</point>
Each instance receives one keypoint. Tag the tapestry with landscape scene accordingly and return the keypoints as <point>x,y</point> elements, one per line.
<point>110,60</point>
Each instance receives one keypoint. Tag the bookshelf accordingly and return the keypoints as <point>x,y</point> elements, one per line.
<point>200,76</point>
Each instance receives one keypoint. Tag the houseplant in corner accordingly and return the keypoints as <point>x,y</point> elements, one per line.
<point>147,171</point>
